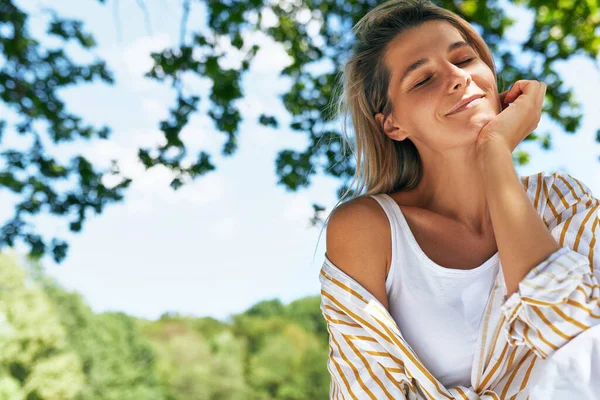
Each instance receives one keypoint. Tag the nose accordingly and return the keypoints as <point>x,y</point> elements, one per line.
<point>459,77</point>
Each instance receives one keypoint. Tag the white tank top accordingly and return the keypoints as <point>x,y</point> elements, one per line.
<point>437,309</point>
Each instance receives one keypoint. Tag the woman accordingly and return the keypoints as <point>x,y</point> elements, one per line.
<point>451,276</point>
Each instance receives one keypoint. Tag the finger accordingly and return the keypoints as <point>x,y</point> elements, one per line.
<point>543,96</point>
<point>503,95</point>
<point>520,87</point>
<point>540,94</point>
<point>512,93</point>
<point>510,97</point>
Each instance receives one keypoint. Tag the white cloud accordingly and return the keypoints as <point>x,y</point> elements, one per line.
<point>200,133</point>
<point>303,16</point>
<point>298,209</point>
<point>234,57</point>
<point>152,190</point>
<point>137,60</point>
<point>271,57</point>
<point>138,205</point>
<point>313,28</point>
<point>100,152</point>
<point>154,109</point>
<point>206,190</point>
<point>152,187</point>
<point>251,107</point>
<point>145,138</point>
<point>225,227</point>
<point>269,19</point>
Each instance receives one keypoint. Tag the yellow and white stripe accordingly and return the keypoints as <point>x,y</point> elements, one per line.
<point>557,300</point>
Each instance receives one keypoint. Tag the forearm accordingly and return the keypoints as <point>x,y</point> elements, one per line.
<point>522,238</point>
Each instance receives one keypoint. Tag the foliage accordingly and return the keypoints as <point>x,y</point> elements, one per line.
<point>194,367</point>
<point>118,361</point>
<point>36,361</point>
<point>54,347</point>
<point>31,77</point>
<point>315,34</point>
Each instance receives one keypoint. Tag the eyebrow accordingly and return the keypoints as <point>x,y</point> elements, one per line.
<point>419,63</point>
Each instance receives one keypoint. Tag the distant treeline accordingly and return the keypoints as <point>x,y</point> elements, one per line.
<point>54,347</point>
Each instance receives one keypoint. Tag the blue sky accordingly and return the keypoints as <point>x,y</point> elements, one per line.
<point>232,237</point>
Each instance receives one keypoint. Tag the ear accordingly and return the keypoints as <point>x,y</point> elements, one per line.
<point>390,128</point>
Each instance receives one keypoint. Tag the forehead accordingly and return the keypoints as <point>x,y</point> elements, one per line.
<point>418,42</point>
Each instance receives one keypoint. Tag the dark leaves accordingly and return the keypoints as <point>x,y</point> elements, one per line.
<point>29,83</point>
<point>32,75</point>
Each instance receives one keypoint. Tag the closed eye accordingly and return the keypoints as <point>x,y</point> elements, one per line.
<point>460,63</point>
<point>466,61</point>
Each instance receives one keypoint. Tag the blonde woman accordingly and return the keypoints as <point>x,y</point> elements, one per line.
<point>450,276</point>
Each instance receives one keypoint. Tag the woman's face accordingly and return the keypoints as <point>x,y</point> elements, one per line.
<point>423,96</point>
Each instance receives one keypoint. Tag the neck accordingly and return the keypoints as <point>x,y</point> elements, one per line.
<point>452,186</point>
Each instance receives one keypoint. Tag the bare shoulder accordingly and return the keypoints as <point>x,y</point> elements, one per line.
<point>358,242</point>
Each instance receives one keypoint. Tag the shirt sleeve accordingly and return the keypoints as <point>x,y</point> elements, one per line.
<point>559,298</point>
<point>355,372</point>
<point>360,367</point>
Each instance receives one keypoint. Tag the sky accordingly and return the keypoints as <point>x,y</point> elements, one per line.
<point>232,237</point>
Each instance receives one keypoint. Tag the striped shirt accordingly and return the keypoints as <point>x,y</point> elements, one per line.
<point>556,301</point>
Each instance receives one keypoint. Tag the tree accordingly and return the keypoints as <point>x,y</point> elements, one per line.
<point>36,361</point>
<point>118,361</point>
<point>53,346</point>
<point>306,312</point>
<point>289,365</point>
<point>31,77</point>
<point>197,362</point>
<point>566,29</point>
<point>312,32</point>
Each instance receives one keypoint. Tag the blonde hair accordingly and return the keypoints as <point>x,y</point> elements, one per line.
<point>384,165</point>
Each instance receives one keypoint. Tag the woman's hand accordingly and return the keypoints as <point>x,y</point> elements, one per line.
<point>517,121</point>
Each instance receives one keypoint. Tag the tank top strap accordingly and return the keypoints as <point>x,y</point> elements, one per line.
<point>391,210</point>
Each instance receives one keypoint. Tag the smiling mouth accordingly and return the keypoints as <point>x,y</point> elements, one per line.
<point>467,106</point>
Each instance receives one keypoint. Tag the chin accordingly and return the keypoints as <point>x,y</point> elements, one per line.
<point>476,124</point>
<point>483,117</point>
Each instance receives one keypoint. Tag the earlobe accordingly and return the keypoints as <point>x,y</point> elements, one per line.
<point>393,131</point>
<point>387,125</point>
<point>398,135</point>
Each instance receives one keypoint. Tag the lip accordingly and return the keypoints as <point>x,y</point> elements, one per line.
<point>461,104</point>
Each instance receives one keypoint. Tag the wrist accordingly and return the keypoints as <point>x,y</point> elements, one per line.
<point>493,151</point>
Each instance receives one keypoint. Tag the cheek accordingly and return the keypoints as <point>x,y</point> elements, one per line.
<point>487,79</point>
<point>486,82</point>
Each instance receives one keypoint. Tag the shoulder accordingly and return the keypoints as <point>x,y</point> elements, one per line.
<point>358,211</point>
<point>358,243</point>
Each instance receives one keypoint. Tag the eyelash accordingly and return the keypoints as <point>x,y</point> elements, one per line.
<point>462,62</point>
